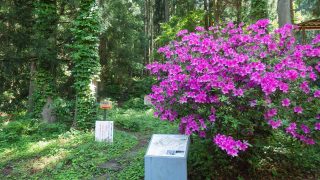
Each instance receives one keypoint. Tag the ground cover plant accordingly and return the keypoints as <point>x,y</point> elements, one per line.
<point>69,154</point>
<point>30,149</point>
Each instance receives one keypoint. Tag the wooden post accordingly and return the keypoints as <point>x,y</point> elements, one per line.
<point>303,36</point>
<point>291,12</point>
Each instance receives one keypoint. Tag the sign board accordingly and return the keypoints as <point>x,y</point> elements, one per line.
<point>106,105</point>
<point>147,100</point>
<point>166,157</point>
<point>104,131</point>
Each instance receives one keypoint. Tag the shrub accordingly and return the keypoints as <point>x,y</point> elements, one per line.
<point>64,110</point>
<point>140,87</point>
<point>128,124</point>
<point>129,119</point>
<point>14,130</point>
<point>46,129</point>
<point>239,82</point>
<point>134,103</point>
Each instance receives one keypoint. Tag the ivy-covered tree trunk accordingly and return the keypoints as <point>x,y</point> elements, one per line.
<point>45,49</point>
<point>86,62</point>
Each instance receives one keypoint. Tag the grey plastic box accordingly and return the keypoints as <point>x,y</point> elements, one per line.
<point>166,157</point>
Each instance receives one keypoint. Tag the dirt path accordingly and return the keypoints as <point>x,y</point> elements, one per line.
<point>115,164</point>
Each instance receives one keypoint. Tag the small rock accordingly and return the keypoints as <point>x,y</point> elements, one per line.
<point>112,165</point>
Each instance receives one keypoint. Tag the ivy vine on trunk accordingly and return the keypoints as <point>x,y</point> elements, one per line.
<point>86,69</point>
<point>45,49</point>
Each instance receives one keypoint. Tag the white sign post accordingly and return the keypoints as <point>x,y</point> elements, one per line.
<point>104,131</point>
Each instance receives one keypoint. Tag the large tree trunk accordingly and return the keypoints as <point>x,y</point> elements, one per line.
<point>151,30</point>
<point>166,10</point>
<point>48,112</point>
<point>205,8</point>
<point>46,24</point>
<point>146,32</point>
<point>173,7</point>
<point>284,12</point>
<point>292,11</point>
<point>86,68</point>
<point>103,62</point>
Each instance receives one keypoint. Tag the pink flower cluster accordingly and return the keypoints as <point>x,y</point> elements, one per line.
<point>192,123</point>
<point>286,102</point>
<point>231,146</point>
<point>292,130</point>
<point>206,71</point>
<point>275,124</point>
<point>317,126</point>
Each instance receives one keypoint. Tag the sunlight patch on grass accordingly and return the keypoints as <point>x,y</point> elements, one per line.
<point>6,153</point>
<point>34,148</point>
<point>38,164</point>
<point>5,123</point>
<point>39,146</point>
<point>150,112</point>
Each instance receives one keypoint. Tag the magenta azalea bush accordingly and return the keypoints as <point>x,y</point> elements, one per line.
<point>239,83</point>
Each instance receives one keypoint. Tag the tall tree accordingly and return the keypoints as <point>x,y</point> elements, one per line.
<point>146,31</point>
<point>284,12</point>
<point>206,14</point>
<point>45,48</point>
<point>151,33</point>
<point>166,10</point>
<point>86,28</point>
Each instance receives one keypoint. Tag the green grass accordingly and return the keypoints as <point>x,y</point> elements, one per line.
<point>72,155</point>
<point>142,120</point>
<point>134,168</point>
<point>30,149</point>
<point>34,150</point>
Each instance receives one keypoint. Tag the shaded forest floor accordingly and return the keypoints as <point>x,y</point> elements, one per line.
<point>33,150</point>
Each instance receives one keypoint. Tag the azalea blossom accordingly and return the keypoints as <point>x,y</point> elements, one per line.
<point>298,109</point>
<point>286,102</point>
<point>226,76</point>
